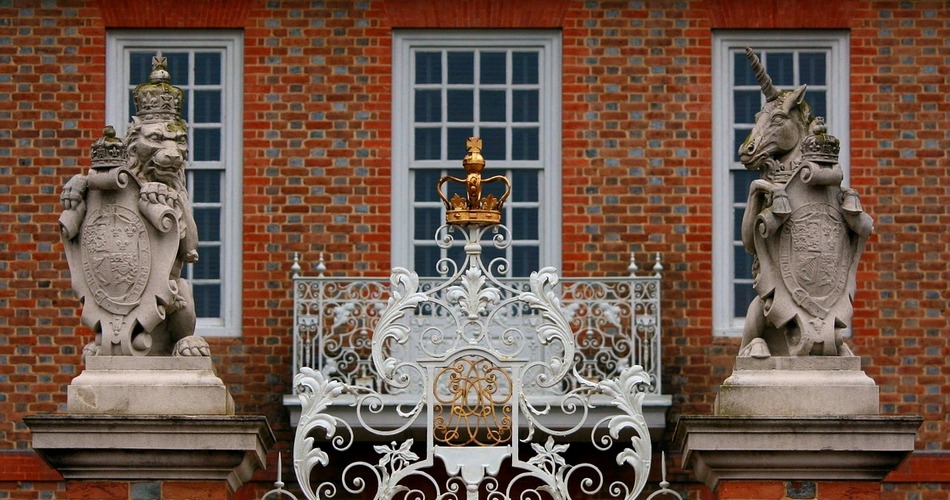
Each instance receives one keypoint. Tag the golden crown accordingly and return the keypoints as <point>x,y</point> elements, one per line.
<point>109,151</point>
<point>157,99</point>
<point>473,208</point>
<point>820,146</point>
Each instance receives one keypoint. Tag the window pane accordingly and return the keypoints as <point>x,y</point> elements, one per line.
<point>496,189</point>
<point>208,266</point>
<point>425,184</point>
<point>524,144</point>
<point>737,213</point>
<point>490,253</point>
<point>747,103</point>
<point>461,67</point>
<point>493,140</point>
<point>741,180</point>
<point>525,261</point>
<point>812,68</point>
<point>742,294</point>
<point>492,105</point>
<point>207,68</point>
<point>207,104</point>
<point>818,101</point>
<point>207,300</point>
<point>524,223</point>
<point>207,144</point>
<point>428,106</point>
<point>461,105</point>
<point>208,220</point>
<point>205,186</point>
<point>428,145</point>
<point>524,105</point>
<point>742,71</point>
<point>456,142</point>
<point>743,262</point>
<point>492,67</point>
<point>428,67</point>
<point>524,185</point>
<point>424,259</point>
<point>524,67</point>
<point>427,221</point>
<point>140,65</point>
<point>177,66</point>
<point>779,66</point>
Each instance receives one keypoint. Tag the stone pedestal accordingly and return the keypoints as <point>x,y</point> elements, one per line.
<point>196,450</point>
<point>814,385</point>
<point>133,385</point>
<point>796,427</point>
<point>162,423</point>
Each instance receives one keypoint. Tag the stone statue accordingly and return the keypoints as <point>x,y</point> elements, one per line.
<point>128,230</point>
<point>805,231</point>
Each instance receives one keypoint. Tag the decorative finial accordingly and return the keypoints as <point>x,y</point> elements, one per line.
<point>632,268</point>
<point>295,268</point>
<point>657,267</point>
<point>473,209</point>
<point>109,151</point>
<point>157,99</point>
<point>321,266</point>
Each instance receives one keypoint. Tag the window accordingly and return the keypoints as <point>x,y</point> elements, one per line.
<point>502,87</point>
<point>207,66</point>
<point>818,59</point>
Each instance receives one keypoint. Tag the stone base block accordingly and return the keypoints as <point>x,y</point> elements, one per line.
<point>846,448</point>
<point>127,385</point>
<point>797,386</point>
<point>225,449</point>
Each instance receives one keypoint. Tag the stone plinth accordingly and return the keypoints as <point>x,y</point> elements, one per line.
<point>794,448</point>
<point>795,386</point>
<point>223,449</point>
<point>137,385</point>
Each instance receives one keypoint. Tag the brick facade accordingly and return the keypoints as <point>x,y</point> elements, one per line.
<point>636,158</point>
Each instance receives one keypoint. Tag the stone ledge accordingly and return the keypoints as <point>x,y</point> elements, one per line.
<point>103,447</point>
<point>755,448</point>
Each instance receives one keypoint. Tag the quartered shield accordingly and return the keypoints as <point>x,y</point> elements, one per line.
<point>815,257</point>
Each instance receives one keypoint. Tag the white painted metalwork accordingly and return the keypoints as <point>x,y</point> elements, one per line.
<point>475,347</point>
<point>615,320</point>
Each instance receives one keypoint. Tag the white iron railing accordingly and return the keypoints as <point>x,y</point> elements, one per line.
<point>615,320</point>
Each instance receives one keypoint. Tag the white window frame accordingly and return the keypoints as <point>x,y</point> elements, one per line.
<point>549,43</point>
<point>118,45</point>
<point>724,43</point>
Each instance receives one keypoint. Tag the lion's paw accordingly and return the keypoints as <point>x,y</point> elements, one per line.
<point>90,349</point>
<point>192,346</point>
<point>158,192</point>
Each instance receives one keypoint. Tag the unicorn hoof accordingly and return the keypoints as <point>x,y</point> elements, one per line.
<point>757,349</point>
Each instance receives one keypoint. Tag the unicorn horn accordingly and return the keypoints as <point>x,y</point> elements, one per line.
<point>765,81</point>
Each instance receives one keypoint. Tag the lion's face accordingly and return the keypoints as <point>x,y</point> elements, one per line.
<point>157,152</point>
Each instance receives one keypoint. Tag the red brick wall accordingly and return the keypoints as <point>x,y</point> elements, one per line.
<point>636,176</point>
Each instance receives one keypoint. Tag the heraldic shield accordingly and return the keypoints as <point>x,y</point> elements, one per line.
<point>122,252</point>
<point>815,257</point>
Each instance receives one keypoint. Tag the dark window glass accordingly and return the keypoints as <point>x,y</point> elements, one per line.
<point>207,106</point>
<point>524,106</point>
<point>428,67</point>
<point>742,179</point>
<point>206,186</point>
<point>457,137</point>
<point>818,101</point>
<point>492,105</point>
<point>524,185</point>
<point>780,67</point>
<point>207,144</point>
<point>524,68</point>
<point>524,223</point>
<point>493,140</point>
<point>428,144</point>
<point>208,220</point>
<point>746,104</point>
<point>140,65</point>
<point>461,105</point>
<point>742,71</point>
<point>425,184</point>
<point>425,259</point>
<point>428,106</point>
<point>743,293</point>
<point>492,67</point>
<point>427,221</point>
<point>208,266</point>
<point>207,68</point>
<point>207,300</point>
<point>525,261</point>
<point>461,67</point>
<point>739,136</point>
<point>743,263</point>
<point>177,67</point>
<point>812,68</point>
<point>524,144</point>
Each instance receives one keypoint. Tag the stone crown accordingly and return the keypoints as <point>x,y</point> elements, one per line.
<point>158,99</point>
<point>820,146</point>
<point>109,151</point>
